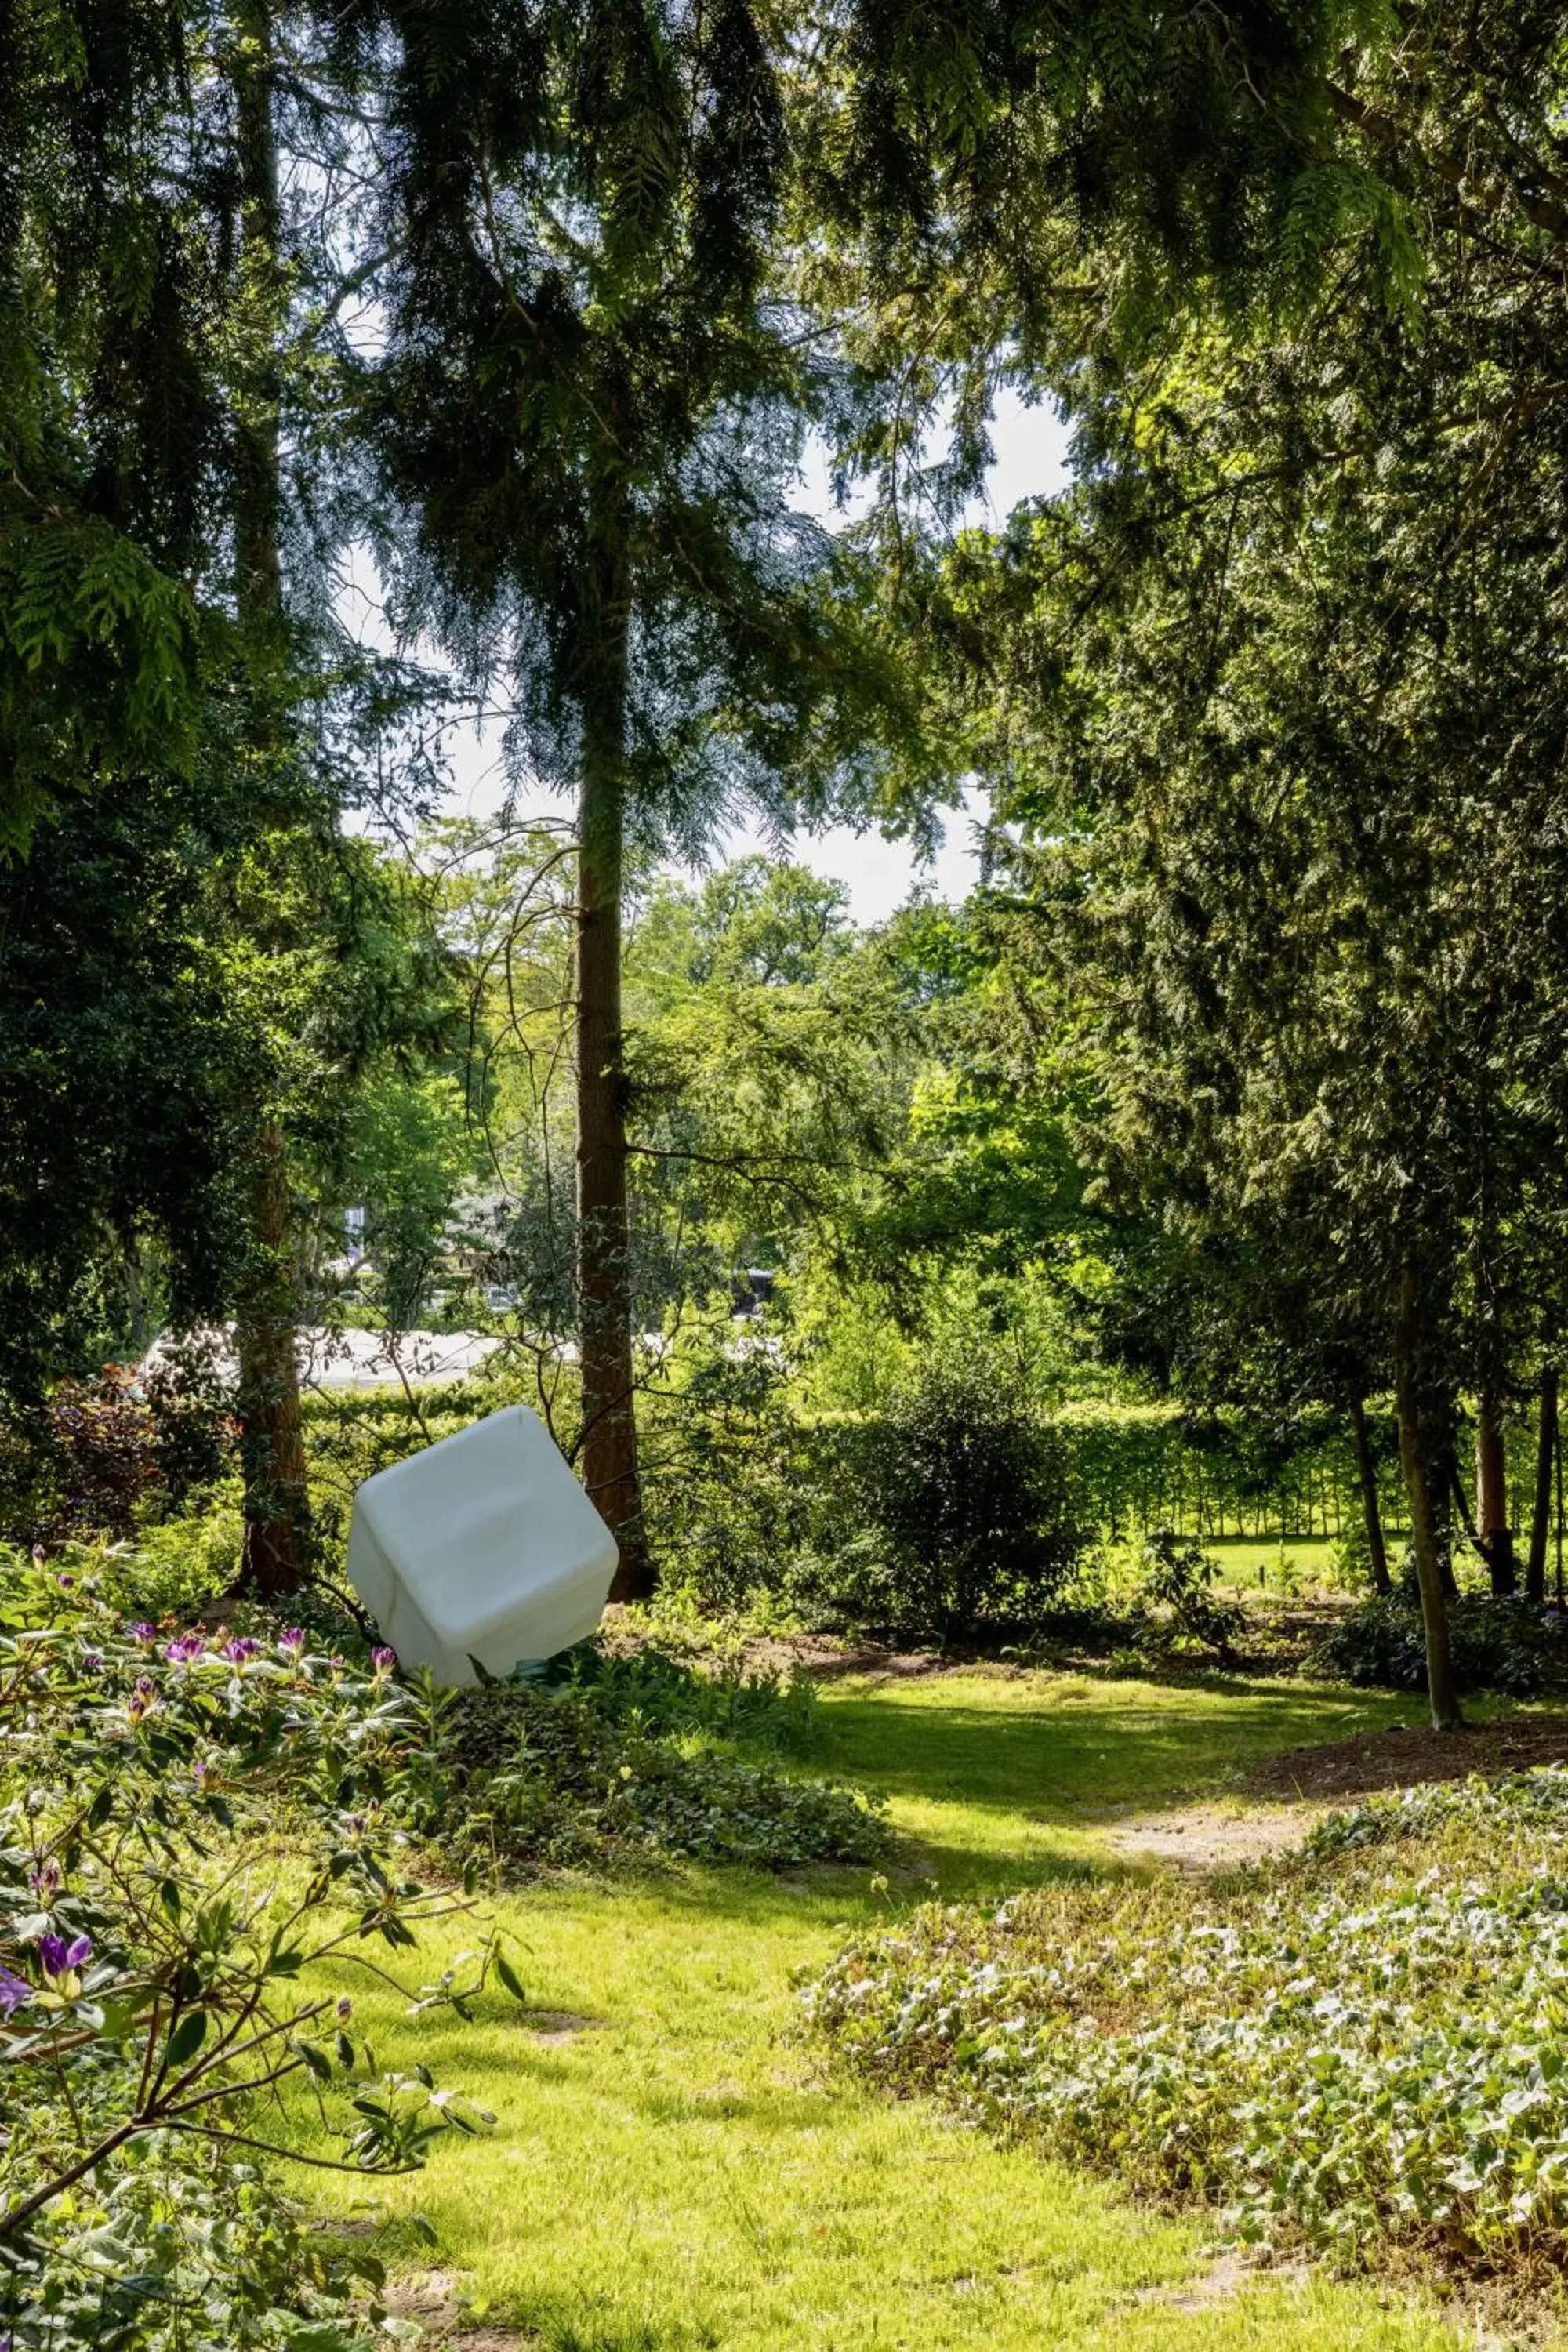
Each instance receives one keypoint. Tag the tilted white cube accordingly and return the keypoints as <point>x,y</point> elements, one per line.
<point>482,1546</point>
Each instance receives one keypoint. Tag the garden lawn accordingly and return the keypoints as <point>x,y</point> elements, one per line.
<point>683,2170</point>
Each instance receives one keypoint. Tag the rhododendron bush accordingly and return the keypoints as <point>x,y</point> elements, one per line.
<point>202,1851</point>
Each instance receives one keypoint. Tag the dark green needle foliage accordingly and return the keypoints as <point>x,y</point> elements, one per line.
<point>592,404</point>
<point>982,128</point>
<point>996,188</point>
<point>588,401</point>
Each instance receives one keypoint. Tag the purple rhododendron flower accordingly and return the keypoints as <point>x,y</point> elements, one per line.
<point>46,1879</point>
<point>91,1663</point>
<point>59,1956</point>
<point>144,1633</point>
<point>14,1994</point>
<point>383,1659</point>
<point>292,1638</point>
<point>185,1650</point>
<point>143,1700</point>
<point>240,1649</point>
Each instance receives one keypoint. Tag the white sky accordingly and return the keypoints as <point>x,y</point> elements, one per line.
<point>1030,462</point>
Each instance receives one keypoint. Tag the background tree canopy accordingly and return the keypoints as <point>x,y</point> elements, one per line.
<point>1239,1080</point>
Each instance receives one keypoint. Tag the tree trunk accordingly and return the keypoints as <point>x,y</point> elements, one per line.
<point>1541,1516</point>
<point>609,1447</point>
<point>257,559</point>
<point>1558,1451</point>
<point>1366,1471</point>
<point>1446,1494</point>
<point>272,1436</point>
<point>1491,1494</point>
<point>1414,1463</point>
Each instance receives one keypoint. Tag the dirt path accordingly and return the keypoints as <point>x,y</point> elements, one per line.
<point>1202,1840</point>
<point>1281,1798</point>
<point>1405,1757</point>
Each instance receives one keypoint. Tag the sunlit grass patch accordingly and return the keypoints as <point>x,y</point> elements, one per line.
<point>676,2165</point>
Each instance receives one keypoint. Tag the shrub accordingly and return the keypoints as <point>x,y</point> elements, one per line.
<point>745,1497</point>
<point>648,1689</point>
<point>1503,1645</point>
<point>1179,1578</point>
<point>1529,1805</point>
<point>196,1828</point>
<point>966,1487</point>
<point>1331,2056</point>
<point>182,1564</point>
<point>948,1513</point>
<point>104,1452</point>
<point>624,1763</point>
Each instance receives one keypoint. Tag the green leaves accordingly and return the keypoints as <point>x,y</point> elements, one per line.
<point>98,665</point>
<point>635,1756</point>
<point>316,2059</point>
<point>187,2038</point>
<point>1357,2051</point>
<point>150,1957</point>
<point>509,1978</point>
<point>401,2115</point>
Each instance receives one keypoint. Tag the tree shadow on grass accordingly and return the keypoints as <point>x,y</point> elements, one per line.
<point>1089,1750</point>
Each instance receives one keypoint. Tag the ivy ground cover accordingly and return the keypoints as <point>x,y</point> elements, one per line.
<point>1365,2048</point>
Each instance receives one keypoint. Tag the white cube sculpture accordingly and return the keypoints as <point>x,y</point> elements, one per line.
<point>482,1546</point>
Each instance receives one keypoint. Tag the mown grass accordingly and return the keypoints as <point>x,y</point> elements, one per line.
<point>1000,1777</point>
<point>687,2171</point>
<point>1276,1564</point>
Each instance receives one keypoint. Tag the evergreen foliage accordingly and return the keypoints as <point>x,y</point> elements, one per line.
<point>1269,697</point>
<point>122,1058</point>
<point>112,309</point>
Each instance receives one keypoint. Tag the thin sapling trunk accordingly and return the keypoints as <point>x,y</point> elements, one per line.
<point>1541,1515</point>
<point>1496,1536</point>
<point>1418,1488</point>
<point>1366,1471</point>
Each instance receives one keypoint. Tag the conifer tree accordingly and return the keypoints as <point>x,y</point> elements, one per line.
<point>592,408</point>
<point>1276,692</point>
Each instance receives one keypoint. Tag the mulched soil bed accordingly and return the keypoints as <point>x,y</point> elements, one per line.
<point>1405,1757</point>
